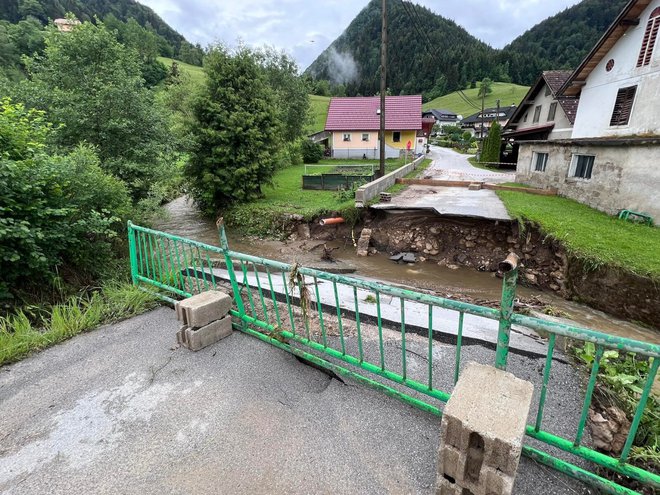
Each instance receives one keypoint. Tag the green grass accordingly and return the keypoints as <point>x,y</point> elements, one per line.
<point>318,113</point>
<point>265,216</point>
<point>35,328</point>
<point>196,73</point>
<point>397,188</point>
<point>589,234</point>
<point>475,163</point>
<point>507,93</point>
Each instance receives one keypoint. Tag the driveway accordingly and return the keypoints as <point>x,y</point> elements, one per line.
<point>453,201</point>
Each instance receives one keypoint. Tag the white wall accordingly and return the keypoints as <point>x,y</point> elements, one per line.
<point>563,128</point>
<point>623,177</point>
<point>600,91</point>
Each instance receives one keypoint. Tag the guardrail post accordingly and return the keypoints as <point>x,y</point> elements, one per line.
<point>132,250</point>
<point>224,244</point>
<point>510,269</point>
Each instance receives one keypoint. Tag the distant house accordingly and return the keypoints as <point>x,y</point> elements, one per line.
<point>474,122</point>
<point>610,159</point>
<point>65,25</point>
<point>543,113</point>
<point>442,116</point>
<point>354,124</point>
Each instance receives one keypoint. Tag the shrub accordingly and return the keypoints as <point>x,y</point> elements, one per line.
<point>311,152</point>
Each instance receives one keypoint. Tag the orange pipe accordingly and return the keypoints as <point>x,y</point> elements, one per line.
<point>331,221</point>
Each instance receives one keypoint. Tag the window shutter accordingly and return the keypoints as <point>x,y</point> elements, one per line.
<point>650,37</point>
<point>623,106</point>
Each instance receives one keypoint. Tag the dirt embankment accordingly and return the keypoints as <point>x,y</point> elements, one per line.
<point>482,244</point>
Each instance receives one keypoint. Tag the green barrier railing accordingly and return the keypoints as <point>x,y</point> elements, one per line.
<point>274,303</point>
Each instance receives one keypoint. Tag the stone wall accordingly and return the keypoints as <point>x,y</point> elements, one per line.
<point>623,177</point>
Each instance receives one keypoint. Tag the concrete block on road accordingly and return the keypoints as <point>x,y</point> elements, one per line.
<point>196,339</point>
<point>448,487</point>
<point>475,186</point>
<point>201,309</point>
<point>482,431</point>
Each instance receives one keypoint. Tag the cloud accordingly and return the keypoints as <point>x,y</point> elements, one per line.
<point>305,29</point>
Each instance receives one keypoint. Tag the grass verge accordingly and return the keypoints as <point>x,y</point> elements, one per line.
<point>397,188</point>
<point>475,163</point>
<point>35,328</point>
<point>591,235</point>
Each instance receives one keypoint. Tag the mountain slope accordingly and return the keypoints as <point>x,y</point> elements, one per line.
<point>561,41</point>
<point>508,94</point>
<point>353,59</point>
<point>85,10</point>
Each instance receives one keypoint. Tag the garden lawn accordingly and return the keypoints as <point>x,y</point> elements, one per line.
<point>589,234</point>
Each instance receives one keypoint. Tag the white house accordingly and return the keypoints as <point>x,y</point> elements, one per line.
<point>610,161</point>
<point>543,113</point>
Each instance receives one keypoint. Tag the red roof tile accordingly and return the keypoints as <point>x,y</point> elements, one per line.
<point>360,113</point>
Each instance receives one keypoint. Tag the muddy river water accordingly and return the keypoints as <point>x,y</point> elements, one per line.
<point>184,219</point>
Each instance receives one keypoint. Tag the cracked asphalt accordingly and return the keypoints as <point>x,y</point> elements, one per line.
<point>123,410</point>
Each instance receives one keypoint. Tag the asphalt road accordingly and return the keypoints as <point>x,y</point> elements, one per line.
<point>122,410</point>
<point>453,201</point>
<point>451,165</point>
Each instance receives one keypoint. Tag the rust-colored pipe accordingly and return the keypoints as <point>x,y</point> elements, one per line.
<point>509,264</point>
<point>331,221</point>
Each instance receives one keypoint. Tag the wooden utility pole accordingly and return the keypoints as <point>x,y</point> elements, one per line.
<point>383,85</point>
<point>483,118</point>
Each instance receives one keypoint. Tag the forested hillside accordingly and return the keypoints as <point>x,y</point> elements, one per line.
<point>561,41</point>
<point>23,17</point>
<point>427,53</point>
<point>432,55</point>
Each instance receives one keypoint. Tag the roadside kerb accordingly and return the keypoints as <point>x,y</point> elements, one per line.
<point>374,188</point>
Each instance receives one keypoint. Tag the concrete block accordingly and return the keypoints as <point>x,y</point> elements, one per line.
<point>199,338</point>
<point>475,186</point>
<point>201,309</point>
<point>446,487</point>
<point>482,430</point>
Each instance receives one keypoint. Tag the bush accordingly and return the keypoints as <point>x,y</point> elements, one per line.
<point>311,152</point>
<point>55,210</point>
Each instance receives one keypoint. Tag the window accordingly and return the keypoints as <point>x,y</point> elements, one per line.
<point>537,113</point>
<point>582,166</point>
<point>396,136</point>
<point>540,160</point>
<point>347,137</point>
<point>650,37</point>
<point>547,90</point>
<point>525,117</point>
<point>623,106</point>
<point>552,111</point>
<point>365,137</point>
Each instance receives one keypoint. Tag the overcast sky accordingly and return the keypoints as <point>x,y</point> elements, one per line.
<point>305,28</point>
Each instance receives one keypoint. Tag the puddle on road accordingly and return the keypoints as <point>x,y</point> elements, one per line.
<point>185,220</point>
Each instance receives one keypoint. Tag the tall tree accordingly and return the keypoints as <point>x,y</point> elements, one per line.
<point>282,76</point>
<point>92,88</point>
<point>238,131</point>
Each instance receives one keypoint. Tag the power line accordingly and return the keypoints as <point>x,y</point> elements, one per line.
<point>428,45</point>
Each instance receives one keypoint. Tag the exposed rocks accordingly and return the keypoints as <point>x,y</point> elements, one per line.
<point>609,429</point>
<point>363,242</point>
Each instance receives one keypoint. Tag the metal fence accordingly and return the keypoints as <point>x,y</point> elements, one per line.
<point>279,303</point>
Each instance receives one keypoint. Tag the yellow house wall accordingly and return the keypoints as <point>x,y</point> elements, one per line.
<point>405,137</point>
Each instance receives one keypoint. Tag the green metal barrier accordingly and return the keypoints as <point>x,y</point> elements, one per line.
<point>175,267</point>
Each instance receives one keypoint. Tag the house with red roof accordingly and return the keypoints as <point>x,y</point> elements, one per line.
<point>354,124</point>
